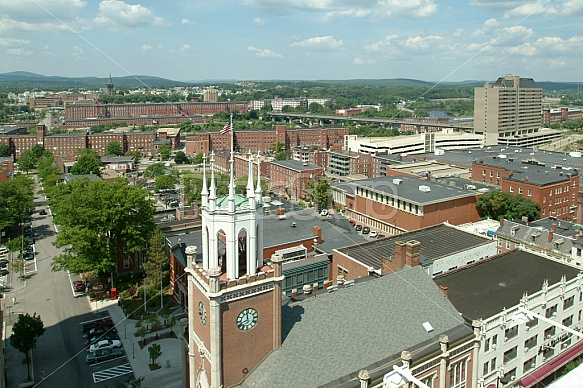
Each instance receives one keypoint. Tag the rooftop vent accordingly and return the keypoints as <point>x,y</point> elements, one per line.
<point>427,326</point>
<point>424,188</point>
<point>397,181</point>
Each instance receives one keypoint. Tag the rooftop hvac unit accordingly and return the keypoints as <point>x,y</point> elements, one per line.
<point>332,288</point>
<point>424,188</point>
<point>349,283</point>
<point>397,181</point>
<point>427,326</point>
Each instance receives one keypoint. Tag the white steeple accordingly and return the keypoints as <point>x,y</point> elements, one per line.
<point>213,189</point>
<point>205,192</point>
<point>258,191</point>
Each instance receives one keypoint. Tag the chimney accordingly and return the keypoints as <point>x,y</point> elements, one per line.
<point>318,233</point>
<point>413,253</point>
<point>575,234</point>
<point>525,219</point>
<point>551,234</point>
<point>397,262</point>
<point>554,227</point>
<point>443,290</point>
<point>501,220</point>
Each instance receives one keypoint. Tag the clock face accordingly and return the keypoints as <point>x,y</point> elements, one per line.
<point>247,319</point>
<point>202,312</point>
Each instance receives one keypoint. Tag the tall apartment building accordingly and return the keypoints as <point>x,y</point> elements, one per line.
<point>211,95</point>
<point>508,108</point>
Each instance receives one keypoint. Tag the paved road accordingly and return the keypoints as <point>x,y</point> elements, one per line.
<point>60,353</point>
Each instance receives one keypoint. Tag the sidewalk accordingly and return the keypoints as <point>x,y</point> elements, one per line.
<point>170,373</point>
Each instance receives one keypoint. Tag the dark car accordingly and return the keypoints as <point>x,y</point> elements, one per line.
<point>28,255</point>
<point>366,230</point>
<point>4,272</point>
<point>97,323</point>
<point>99,330</point>
<point>3,262</point>
<point>42,212</point>
<point>101,355</point>
<point>79,286</point>
<point>358,228</point>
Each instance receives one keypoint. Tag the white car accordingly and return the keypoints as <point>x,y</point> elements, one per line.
<point>373,234</point>
<point>324,212</point>
<point>3,250</point>
<point>105,344</point>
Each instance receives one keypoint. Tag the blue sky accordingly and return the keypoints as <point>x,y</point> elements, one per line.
<point>431,40</point>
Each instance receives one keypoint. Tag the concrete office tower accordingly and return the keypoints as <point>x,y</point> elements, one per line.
<point>510,107</point>
<point>211,95</point>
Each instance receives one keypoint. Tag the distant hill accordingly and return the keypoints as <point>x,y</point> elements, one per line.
<point>23,79</point>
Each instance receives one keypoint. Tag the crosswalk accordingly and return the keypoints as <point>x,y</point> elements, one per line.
<point>112,373</point>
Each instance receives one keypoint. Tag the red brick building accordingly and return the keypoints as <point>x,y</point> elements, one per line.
<point>393,205</point>
<point>556,190</point>
<point>290,177</point>
<point>265,140</point>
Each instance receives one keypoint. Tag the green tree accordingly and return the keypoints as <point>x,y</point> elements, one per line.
<point>25,332</point>
<point>131,382</point>
<point>156,259</point>
<point>165,151</point>
<point>87,163</point>
<point>141,332</point>
<point>283,155</point>
<point>181,158</point>
<point>113,149</point>
<point>197,159</point>
<point>26,161</point>
<point>155,352</point>
<point>37,150</point>
<point>99,221</point>
<point>495,204</point>
<point>165,182</point>
<point>4,150</point>
<point>16,200</point>
<point>136,154</point>
<point>322,193</point>
<point>153,170</point>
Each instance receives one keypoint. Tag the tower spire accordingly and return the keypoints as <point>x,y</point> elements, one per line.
<point>205,192</point>
<point>250,191</point>
<point>213,189</point>
<point>231,199</point>
<point>258,191</point>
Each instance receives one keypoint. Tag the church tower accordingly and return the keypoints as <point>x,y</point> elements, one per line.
<point>234,299</point>
<point>110,87</point>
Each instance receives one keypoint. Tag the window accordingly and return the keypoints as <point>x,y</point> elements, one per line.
<point>428,380</point>
<point>520,190</point>
<point>550,332</point>
<point>551,311</point>
<point>544,199</point>
<point>531,342</point>
<point>510,333</point>
<point>507,244</point>
<point>529,192</point>
<point>126,263</point>
<point>511,189</point>
<point>568,302</point>
<point>532,323</point>
<point>510,354</point>
<point>511,374</point>
<point>529,364</point>
<point>458,374</point>
<point>568,321</point>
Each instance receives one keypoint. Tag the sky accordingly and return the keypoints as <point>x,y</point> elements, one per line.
<point>198,40</point>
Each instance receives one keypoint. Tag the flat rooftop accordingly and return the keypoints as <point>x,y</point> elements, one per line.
<point>436,242</point>
<point>487,287</point>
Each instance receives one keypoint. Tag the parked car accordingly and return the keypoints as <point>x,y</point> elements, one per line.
<point>105,344</point>
<point>97,323</point>
<point>3,262</point>
<point>3,250</point>
<point>324,212</point>
<point>98,330</point>
<point>28,255</point>
<point>366,230</point>
<point>373,234</point>
<point>381,236</point>
<point>358,228</point>
<point>103,355</point>
<point>4,272</point>
<point>112,335</point>
<point>42,212</point>
<point>79,286</point>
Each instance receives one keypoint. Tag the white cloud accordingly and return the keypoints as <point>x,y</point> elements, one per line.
<point>360,61</point>
<point>326,42</point>
<point>185,48</point>
<point>78,53</point>
<point>41,10</point>
<point>146,47</point>
<point>119,15</point>
<point>18,52</point>
<point>259,21</point>
<point>13,41</point>
<point>348,8</point>
<point>382,44</point>
<point>187,21</point>
<point>264,53</point>
<point>420,42</point>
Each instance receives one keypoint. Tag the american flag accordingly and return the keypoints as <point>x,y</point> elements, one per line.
<point>227,128</point>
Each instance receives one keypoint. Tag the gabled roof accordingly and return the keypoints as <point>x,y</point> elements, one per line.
<point>329,338</point>
<point>486,288</point>
<point>436,242</point>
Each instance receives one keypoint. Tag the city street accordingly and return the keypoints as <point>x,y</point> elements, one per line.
<point>60,353</point>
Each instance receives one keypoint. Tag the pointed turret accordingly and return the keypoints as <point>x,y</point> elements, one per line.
<point>204,194</point>
<point>231,199</point>
<point>213,188</point>
<point>258,191</point>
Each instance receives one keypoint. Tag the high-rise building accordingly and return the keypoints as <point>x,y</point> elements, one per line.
<point>510,107</point>
<point>110,87</point>
<point>211,95</point>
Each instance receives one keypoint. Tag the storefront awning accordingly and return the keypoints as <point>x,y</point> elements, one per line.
<point>551,366</point>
